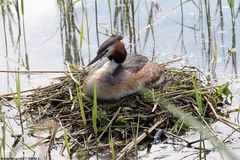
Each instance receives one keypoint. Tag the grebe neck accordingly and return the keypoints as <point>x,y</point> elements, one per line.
<point>110,66</point>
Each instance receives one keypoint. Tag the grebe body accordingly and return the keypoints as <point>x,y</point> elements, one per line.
<point>118,75</point>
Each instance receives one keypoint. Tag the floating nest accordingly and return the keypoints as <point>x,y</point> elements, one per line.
<point>118,123</point>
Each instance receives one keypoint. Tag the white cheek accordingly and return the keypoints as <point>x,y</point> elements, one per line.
<point>109,52</point>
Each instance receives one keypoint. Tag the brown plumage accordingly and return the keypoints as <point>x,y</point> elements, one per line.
<point>119,54</point>
<point>121,74</point>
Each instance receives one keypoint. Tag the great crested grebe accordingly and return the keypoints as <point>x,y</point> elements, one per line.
<point>119,74</point>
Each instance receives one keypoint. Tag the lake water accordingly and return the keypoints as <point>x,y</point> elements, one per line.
<point>44,36</point>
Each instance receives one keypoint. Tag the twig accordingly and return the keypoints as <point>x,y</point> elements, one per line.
<point>18,138</point>
<point>40,141</point>
<point>222,119</point>
<point>166,63</point>
<point>109,124</point>
<point>163,16</point>
<point>7,102</point>
<point>233,110</point>
<point>142,103</point>
<point>130,145</point>
<point>176,136</point>
<point>207,125</point>
<point>11,95</point>
<point>211,106</point>
<point>34,72</point>
<point>119,144</point>
<point>229,136</point>
<point>199,140</point>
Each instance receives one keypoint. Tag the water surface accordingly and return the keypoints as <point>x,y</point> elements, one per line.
<point>48,33</point>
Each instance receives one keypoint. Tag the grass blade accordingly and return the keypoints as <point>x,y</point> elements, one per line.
<point>80,101</point>
<point>82,27</point>
<point>215,52</point>
<point>111,144</point>
<point>94,116</point>
<point>18,98</point>
<point>70,73</point>
<point>22,6</point>
<point>66,142</point>
<point>18,101</point>
<point>201,128</point>
<point>198,96</point>
<point>94,111</point>
<point>3,140</point>
<point>231,4</point>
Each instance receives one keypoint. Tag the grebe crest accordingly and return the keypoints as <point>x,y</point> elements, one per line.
<point>118,74</point>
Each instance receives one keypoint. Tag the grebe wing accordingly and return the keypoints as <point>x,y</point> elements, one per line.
<point>133,63</point>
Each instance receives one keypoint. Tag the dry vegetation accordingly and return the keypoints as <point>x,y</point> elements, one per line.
<point>133,117</point>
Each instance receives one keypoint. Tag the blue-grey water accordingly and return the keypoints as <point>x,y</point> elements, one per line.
<point>41,40</point>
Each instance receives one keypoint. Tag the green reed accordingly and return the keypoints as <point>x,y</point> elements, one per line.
<point>66,139</point>
<point>94,111</point>
<point>3,138</point>
<point>111,144</point>
<point>110,14</point>
<point>18,101</point>
<point>88,31</point>
<point>204,130</point>
<point>81,106</point>
<point>95,116</point>
<point>96,21</point>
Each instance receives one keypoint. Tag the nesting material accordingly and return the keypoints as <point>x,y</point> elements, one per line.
<point>118,122</point>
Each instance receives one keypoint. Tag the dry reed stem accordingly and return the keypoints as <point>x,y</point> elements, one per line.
<point>56,101</point>
<point>130,145</point>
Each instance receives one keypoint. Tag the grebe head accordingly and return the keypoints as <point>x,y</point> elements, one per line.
<point>113,49</point>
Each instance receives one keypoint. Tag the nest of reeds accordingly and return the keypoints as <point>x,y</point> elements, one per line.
<point>117,122</point>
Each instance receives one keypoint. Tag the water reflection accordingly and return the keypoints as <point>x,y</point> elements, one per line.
<point>43,35</point>
<point>186,27</point>
<point>68,31</point>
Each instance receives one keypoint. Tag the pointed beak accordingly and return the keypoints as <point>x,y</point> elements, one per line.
<point>102,49</point>
<point>99,56</point>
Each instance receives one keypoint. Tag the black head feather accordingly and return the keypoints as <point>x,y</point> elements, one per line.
<point>108,43</point>
<point>102,49</point>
